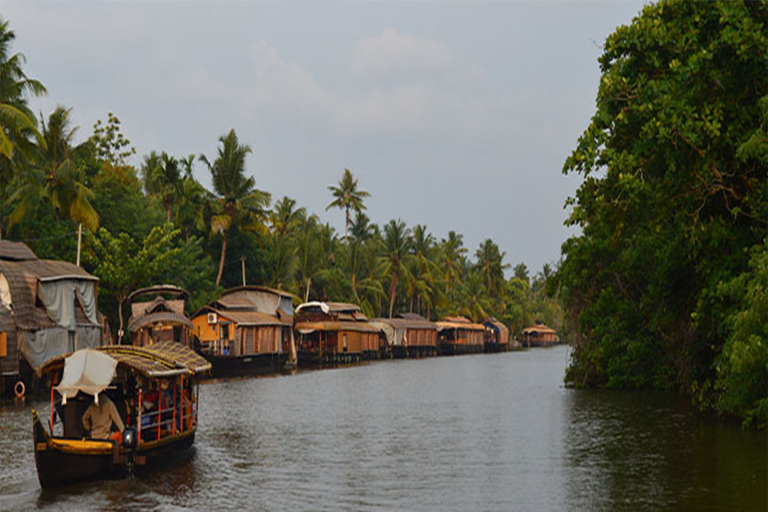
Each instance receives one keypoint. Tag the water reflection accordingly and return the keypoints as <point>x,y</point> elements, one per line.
<point>651,451</point>
<point>481,433</point>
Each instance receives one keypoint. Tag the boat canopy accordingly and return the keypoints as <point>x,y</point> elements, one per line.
<point>163,359</point>
<point>87,370</point>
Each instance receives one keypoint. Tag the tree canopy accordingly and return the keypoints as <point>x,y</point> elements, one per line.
<point>673,201</point>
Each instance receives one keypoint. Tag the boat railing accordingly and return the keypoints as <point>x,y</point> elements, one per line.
<point>173,416</point>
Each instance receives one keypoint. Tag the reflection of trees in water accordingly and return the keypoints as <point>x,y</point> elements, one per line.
<point>651,451</point>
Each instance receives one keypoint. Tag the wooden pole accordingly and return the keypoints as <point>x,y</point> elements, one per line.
<point>79,241</point>
<point>242,262</point>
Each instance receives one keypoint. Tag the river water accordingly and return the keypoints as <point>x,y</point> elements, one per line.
<point>495,432</point>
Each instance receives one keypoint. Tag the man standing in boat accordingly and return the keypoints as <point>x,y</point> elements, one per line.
<point>100,416</point>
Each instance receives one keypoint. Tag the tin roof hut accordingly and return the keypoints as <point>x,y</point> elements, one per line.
<point>52,305</point>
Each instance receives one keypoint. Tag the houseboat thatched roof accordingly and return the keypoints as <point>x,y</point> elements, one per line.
<point>248,318</point>
<point>15,251</point>
<point>500,328</point>
<point>309,327</point>
<point>162,359</point>
<point>458,322</point>
<point>540,329</point>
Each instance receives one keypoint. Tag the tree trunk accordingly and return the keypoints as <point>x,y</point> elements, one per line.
<point>223,256</point>
<point>392,291</point>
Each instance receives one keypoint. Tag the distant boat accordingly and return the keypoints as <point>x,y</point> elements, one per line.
<point>540,335</point>
<point>458,335</point>
<point>157,314</point>
<point>248,331</point>
<point>409,335</point>
<point>332,333</point>
<point>154,390</point>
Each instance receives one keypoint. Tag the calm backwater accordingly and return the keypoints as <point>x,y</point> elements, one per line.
<point>470,433</point>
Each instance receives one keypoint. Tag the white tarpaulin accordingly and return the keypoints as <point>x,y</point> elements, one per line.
<point>89,371</point>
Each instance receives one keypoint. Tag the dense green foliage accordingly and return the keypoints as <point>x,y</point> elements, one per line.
<point>658,288</point>
<point>158,224</point>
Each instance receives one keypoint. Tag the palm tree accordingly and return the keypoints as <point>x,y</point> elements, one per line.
<point>425,269</point>
<point>285,217</point>
<point>16,120</point>
<point>163,179</point>
<point>55,175</point>
<point>193,199</point>
<point>239,202</point>
<point>347,197</point>
<point>397,243</point>
<point>452,258</point>
<point>489,262</point>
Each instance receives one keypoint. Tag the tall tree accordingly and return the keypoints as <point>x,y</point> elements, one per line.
<point>238,202</point>
<point>54,174</point>
<point>397,244</point>
<point>347,197</point>
<point>123,265</point>
<point>17,121</point>
<point>667,209</point>
<point>490,262</point>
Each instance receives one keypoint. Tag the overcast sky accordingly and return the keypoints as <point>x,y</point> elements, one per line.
<point>456,115</point>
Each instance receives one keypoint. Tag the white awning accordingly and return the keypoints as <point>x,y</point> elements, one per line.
<point>89,371</point>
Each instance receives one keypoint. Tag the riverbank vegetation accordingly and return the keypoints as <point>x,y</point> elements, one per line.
<point>156,223</point>
<point>666,285</point>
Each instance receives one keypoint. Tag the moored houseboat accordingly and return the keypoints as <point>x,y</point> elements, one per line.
<point>458,335</point>
<point>333,333</point>
<point>409,335</point>
<point>149,394</point>
<point>248,331</point>
<point>47,308</point>
<point>540,335</point>
<point>496,337</point>
<point>157,314</point>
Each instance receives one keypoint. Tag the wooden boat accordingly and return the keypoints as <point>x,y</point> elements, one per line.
<point>410,335</point>
<point>248,331</point>
<point>332,333</point>
<point>154,390</point>
<point>458,335</point>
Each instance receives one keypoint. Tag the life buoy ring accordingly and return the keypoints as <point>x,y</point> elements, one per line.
<point>19,389</point>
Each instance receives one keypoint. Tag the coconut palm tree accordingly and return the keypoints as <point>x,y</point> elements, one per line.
<point>54,175</point>
<point>238,203</point>
<point>18,125</point>
<point>347,197</point>
<point>17,121</point>
<point>491,266</point>
<point>285,217</point>
<point>397,244</point>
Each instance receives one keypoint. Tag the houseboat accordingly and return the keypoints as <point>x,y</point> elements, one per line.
<point>47,308</point>
<point>496,336</point>
<point>458,335</point>
<point>540,335</point>
<point>150,397</point>
<point>248,331</point>
<point>409,335</point>
<point>333,333</point>
<point>157,314</point>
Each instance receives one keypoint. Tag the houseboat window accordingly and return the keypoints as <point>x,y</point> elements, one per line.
<point>225,331</point>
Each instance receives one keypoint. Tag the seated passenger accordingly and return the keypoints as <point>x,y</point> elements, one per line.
<point>98,419</point>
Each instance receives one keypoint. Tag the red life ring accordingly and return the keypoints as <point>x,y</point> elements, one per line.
<point>19,389</point>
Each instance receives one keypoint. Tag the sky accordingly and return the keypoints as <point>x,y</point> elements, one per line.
<point>457,115</point>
